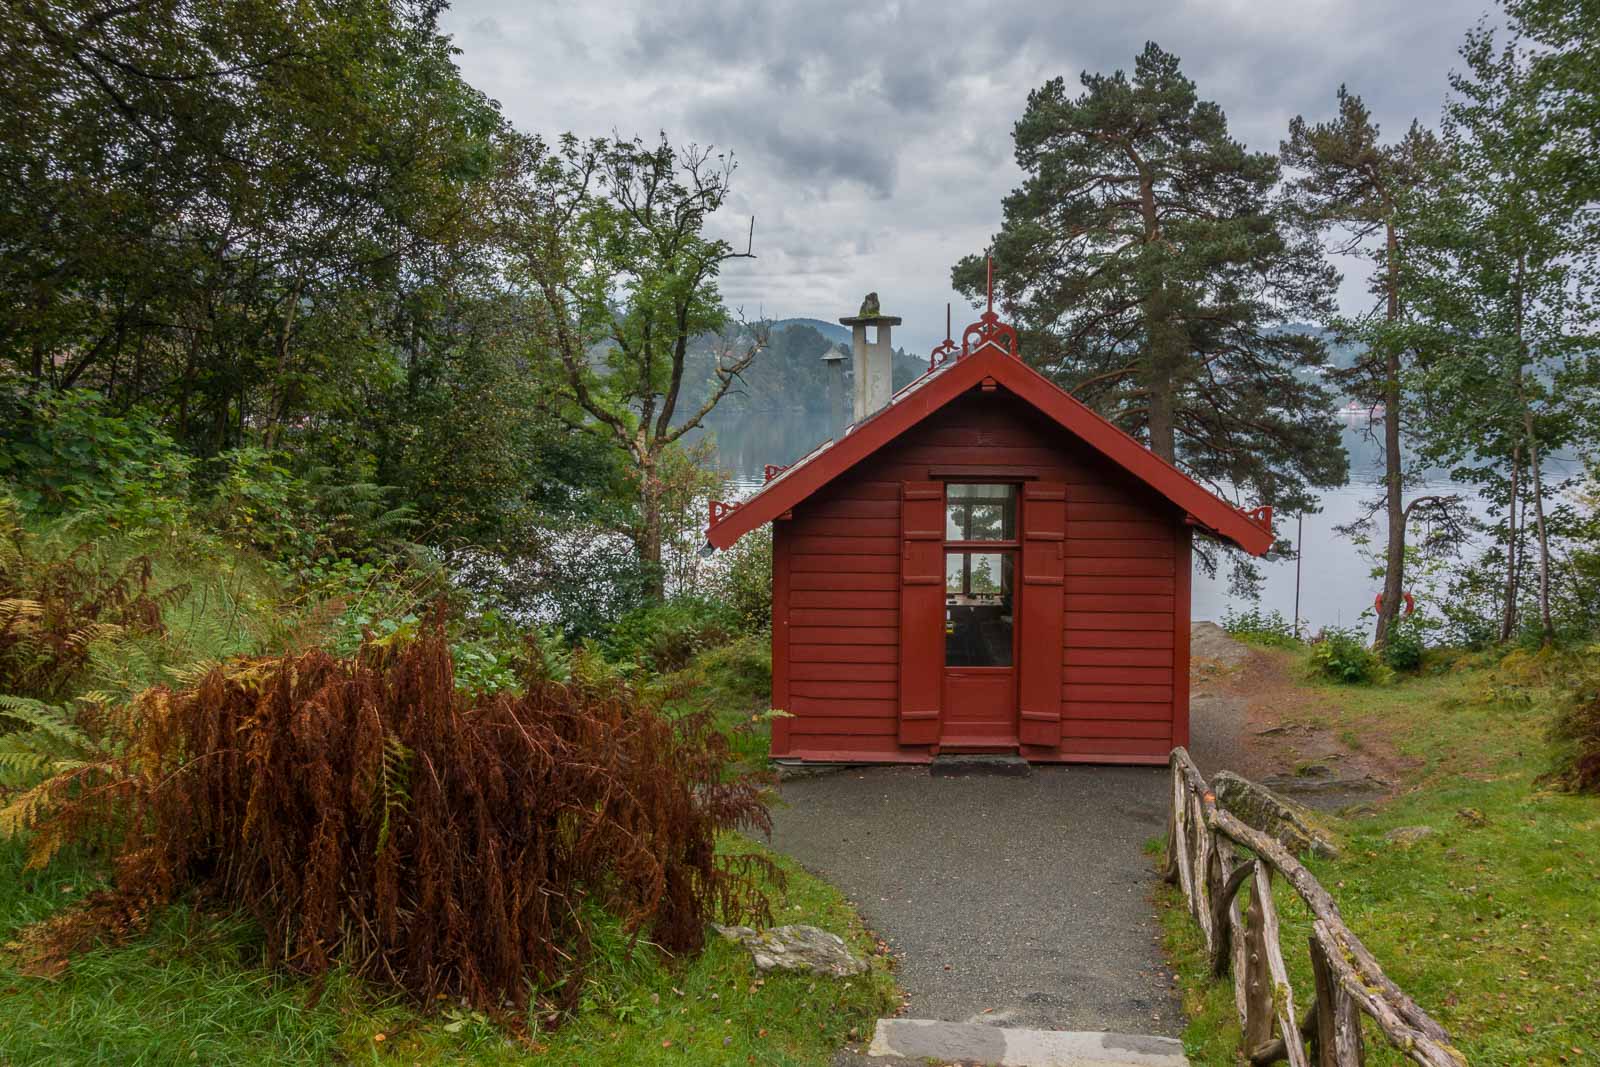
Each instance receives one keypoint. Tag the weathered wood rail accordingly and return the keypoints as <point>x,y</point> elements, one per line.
<point>1211,855</point>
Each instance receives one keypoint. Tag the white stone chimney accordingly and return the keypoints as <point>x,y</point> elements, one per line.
<point>872,363</point>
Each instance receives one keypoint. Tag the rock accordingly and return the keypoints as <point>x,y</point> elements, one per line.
<point>796,948</point>
<point>1259,807</point>
<point>869,306</point>
<point>1208,641</point>
<point>1407,835</point>
<point>1473,816</point>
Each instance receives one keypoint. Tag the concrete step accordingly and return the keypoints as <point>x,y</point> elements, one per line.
<point>923,1040</point>
<point>961,764</point>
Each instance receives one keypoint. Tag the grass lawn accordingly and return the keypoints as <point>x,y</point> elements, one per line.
<point>1493,922</point>
<point>192,991</point>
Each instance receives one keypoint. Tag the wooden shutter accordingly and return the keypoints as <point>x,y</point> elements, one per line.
<point>1044,531</point>
<point>921,611</point>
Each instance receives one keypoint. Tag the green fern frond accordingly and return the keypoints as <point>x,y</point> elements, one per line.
<point>49,719</point>
<point>394,784</point>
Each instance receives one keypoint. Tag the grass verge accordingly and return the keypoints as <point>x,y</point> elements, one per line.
<point>1492,921</point>
<point>193,990</point>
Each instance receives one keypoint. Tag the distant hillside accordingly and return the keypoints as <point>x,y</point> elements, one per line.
<point>831,330</point>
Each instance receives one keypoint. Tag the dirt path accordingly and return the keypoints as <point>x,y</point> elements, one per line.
<point>1251,713</point>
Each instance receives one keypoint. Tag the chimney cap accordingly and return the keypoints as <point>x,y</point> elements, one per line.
<point>870,315</point>
<point>834,354</point>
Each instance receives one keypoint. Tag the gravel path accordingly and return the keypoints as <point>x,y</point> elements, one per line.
<point>1017,901</point>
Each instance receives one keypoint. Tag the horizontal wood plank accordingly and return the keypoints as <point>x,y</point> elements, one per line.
<point>1118,585</point>
<point>1118,620</point>
<point>1118,639</point>
<point>1123,694</point>
<point>1111,728</point>
<point>834,635</point>
<point>844,546</point>
<point>844,690</point>
<point>840,617</point>
<point>844,672</point>
<point>1126,567</point>
<point>1117,657</point>
<point>1091,709</point>
<point>844,598</point>
<point>1076,602</point>
<point>842,580</point>
<point>844,654</point>
<point>1118,675</point>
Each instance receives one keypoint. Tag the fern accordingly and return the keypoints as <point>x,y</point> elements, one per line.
<point>50,720</point>
<point>394,784</point>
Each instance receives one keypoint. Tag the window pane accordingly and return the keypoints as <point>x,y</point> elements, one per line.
<point>977,608</point>
<point>980,513</point>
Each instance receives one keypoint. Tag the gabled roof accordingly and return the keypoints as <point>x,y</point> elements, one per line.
<point>1250,530</point>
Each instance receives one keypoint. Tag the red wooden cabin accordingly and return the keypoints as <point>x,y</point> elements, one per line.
<point>982,564</point>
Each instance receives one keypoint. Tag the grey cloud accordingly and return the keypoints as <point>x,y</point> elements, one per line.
<point>874,138</point>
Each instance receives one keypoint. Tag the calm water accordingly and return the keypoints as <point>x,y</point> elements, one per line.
<point>1336,583</point>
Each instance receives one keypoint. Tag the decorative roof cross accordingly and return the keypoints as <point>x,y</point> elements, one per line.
<point>989,330</point>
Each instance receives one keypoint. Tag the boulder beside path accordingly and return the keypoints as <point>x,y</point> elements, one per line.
<point>805,949</point>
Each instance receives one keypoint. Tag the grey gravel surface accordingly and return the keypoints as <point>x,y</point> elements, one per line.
<point>1019,902</point>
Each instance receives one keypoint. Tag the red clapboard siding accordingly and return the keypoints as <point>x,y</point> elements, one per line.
<point>842,580</point>
<point>846,508</point>
<point>847,598</point>
<point>854,709</point>
<point>1077,602</point>
<point>832,635</point>
<point>1117,657</point>
<point>803,726</point>
<point>843,672</point>
<point>1116,746</point>
<point>1089,549</point>
<point>846,527</point>
<point>1115,567</point>
<point>840,690</point>
<point>1120,639</point>
<point>1148,530</point>
<point>1125,620</point>
<point>1083,709</point>
<point>843,617</point>
<point>1117,586</point>
<point>887,564</point>
<point>1122,693</point>
<point>843,653</point>
<point>844,546</point>
<point>1118,675</point>
<point>1075,728</point>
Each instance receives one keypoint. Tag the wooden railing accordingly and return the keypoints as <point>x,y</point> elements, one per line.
<point>1211,855</point>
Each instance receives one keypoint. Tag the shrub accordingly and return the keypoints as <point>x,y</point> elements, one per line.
<point>1261,628</point>
<point>745,583</point>
<point>664,637</point>
<point>1576,731</point>
<point>366,811</point>
<point>1403,645</point>
<point>1343,655</point>
<point>66,453</point>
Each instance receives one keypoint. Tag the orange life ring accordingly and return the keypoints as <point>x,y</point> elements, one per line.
<point>1411,603</point>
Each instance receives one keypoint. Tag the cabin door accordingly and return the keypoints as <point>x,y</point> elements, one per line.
<point>981,550</point>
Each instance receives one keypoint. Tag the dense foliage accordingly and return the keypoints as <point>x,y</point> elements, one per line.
<point>370,812</point>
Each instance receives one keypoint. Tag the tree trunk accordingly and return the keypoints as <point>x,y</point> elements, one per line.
<point>649,542</point>
<point>1394,565</point>
<point>1547,628</point>
<point>1160,375</point>
<point>1508,620</point>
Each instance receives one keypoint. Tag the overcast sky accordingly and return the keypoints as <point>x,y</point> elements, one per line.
<point>874,139</point>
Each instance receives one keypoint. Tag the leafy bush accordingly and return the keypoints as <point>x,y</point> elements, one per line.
<point>665,637</point>
<point>1343,655</point>
<point>1261,628</point>
<point>368,812</point>
<point>64,453</point>
<point>1403,645</point>
<point>745,583</point>
<point>1576,731</point>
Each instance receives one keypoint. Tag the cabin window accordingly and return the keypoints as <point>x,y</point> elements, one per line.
<point>977,608</point>
<point>980,513</point>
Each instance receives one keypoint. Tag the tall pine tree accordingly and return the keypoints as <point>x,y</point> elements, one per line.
<point>1356,188</point>
<point>1148,267</point>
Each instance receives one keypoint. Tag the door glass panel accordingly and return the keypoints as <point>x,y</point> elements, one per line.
<point>977,608</point>
<point>980,513</point>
